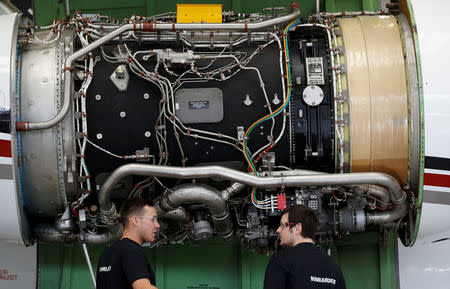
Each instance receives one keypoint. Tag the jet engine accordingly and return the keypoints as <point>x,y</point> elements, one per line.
<point>223,125</point>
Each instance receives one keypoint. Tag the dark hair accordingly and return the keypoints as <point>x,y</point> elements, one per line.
<point>132,206</point>
<point>304,215</point>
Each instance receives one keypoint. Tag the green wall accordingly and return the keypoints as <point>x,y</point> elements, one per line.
<point>367,261</point>
<point>47,10</point>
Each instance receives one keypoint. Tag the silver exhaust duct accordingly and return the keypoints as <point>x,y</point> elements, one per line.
<point>47,233</point>
<point>397,195</point>
<point>198,193</point>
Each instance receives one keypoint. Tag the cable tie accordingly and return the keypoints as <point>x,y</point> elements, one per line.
<point>68,68</point>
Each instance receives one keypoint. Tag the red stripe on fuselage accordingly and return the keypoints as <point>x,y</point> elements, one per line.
<point>5,148</point>
<point>436,180</point>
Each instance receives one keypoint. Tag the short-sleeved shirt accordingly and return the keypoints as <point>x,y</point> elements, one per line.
<point>303,266</point>
<point>121,264</point>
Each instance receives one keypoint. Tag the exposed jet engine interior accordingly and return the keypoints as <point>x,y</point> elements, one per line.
<point>223,124</point>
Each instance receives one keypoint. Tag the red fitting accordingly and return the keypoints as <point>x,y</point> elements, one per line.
<point>22,126</point>
<point>293,6</point>
<point>148,27</point>
<point>281,202</point>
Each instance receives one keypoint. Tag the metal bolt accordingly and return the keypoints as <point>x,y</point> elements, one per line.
<point>98,97</point>
<point>212,147</point>
<point>147,134</point>
<point>123,114</point>
<point>146,96</point>
<point>196,143</point>
<point>247,100</point>
<point>276,100</point>
<point>261,127</point>
<point>99,136</point>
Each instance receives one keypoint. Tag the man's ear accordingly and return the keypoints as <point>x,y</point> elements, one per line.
<point>298,229</point>
<point>134,220</point>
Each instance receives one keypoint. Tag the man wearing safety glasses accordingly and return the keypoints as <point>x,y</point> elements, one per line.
<point>124,264</point>
<point>302,264</point>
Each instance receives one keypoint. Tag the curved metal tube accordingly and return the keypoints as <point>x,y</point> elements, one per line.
<point>233,175</point>
<point>198,193</point>
<point>377,192</point>
<point>25,126</point>
<point>384,180</point>
<point>179,215</point>
<point>47,233</point>
<point>388,216</point>
<point>231,190</point>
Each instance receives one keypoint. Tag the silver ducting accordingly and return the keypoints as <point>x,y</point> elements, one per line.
<point>396,193</point>
<point>198,193</point>
<point>179,215</point>
<point>47,233</point>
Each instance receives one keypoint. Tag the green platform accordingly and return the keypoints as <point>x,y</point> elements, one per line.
<point>218,264</point>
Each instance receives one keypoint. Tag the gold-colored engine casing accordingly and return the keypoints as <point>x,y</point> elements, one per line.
<point>378,98</point>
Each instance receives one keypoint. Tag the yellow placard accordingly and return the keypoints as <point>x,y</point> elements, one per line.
<point>199,13</point>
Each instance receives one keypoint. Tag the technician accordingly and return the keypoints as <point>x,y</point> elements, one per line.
<point>124,264</point>
<point>302,264</point>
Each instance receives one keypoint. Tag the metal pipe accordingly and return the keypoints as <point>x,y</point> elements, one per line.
<point>179,215</point>
<point>68,9</point>
<point>198,193</point>
<point>384,180</point>
<point>47,233</point>
<point>231,190</point>
<point>317,9</point>
<point>26,126</point>
<point>88,261</point>
<point>394,214</point>
<point>377,192</point>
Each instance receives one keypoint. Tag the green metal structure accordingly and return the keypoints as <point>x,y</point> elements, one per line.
<point>368,260</point>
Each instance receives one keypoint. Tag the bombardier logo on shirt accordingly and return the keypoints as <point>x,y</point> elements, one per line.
<point>323,280</point>
<point>105,269</point>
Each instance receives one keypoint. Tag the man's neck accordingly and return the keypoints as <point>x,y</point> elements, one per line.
<point>303,240</point>
<point>133,237</point>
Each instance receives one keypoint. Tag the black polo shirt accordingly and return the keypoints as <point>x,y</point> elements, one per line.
<point>121,264</point>
<point>303,266</point>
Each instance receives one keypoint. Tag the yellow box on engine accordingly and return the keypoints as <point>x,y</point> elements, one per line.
<point>199,13</point>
